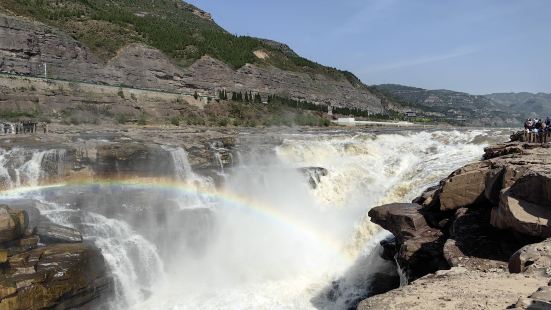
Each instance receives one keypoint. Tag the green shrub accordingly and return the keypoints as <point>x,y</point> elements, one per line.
<point>121,118</point>
<point>142,120</point>
<point>175,121</point>
<point>169,25</point>
<point>223,122</point>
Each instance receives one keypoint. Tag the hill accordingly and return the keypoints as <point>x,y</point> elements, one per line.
<point>455,107</point>
<point>529,104</point>
<point>163,45</point>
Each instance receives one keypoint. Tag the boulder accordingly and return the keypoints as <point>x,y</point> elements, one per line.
<point>502,150</point>
<point>502,176</point>
<point>13,223</point>
<point>313,175</point>
<point>422,254</point>
<point>419,245</point>
<point>540,300</point>
<point>521,216</point>
<point>57,276</point>
<point>31,208</point>
<point>464,187</point>
<point>474,243</point>
<point>534,187</point>
<point>533,258</point>
<point>401,219</point>
<point>52,233</point>
<point>430,198</point>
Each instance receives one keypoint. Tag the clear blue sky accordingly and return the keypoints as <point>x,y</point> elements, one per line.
<point>477,46</point>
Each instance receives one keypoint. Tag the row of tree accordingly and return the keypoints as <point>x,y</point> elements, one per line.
<point>299,104</point>
<point>250,97</point>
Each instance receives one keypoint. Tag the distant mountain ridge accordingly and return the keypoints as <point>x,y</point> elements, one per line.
<point>500,109</point>
<point>535,104</point>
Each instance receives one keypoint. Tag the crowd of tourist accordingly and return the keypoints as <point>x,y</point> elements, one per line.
<point>537,125</point>
<point>24,127</point>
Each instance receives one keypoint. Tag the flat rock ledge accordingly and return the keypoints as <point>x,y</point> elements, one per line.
<point>458,289</point>
<point>462,243</point>
<point>44,265</point>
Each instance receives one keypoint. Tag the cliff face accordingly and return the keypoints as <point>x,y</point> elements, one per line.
<point>27,45</point>
<point>487,216</point>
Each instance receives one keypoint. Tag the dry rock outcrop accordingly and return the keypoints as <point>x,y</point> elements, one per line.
<point>458,289</point>
<point>487,216</point>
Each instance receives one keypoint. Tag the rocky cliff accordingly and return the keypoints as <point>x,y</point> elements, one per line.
<point>46,265</point>
<point>27,46</point>
<point>150,153</point>
<point>485,217</point>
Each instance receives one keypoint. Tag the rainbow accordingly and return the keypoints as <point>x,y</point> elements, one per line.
<point>227,198</point>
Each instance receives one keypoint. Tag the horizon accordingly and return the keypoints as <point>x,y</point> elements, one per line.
<point>482,48</point>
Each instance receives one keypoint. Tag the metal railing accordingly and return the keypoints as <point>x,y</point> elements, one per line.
<point>537,137</point>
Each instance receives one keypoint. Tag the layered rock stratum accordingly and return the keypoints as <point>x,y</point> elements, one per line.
<point>27,45</point>
<point>488,222</point>
<point>46,265</point>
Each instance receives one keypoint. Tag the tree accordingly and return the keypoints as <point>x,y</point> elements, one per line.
<point>142,120</point>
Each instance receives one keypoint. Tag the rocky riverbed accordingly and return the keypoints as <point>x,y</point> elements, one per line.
<point>488,222</point>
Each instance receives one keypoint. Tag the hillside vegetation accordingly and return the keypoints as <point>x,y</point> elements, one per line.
<point>180,30</point>
<point>534,104</point>
<point>452,106</point>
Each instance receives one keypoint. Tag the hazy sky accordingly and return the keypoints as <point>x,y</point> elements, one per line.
<point>477,46</point>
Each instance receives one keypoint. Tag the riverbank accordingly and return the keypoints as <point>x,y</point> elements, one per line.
<point>488,222</point>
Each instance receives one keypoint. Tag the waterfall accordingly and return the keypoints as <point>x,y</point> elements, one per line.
<point>219,161</point>
<point>5,178</point>
<point>23,167</point>
<point>401,272</point>
<point>133,260</point>
<point>184,172</point>
<point>182,167</point>
<point>266,239</point>
<point>31,172</point>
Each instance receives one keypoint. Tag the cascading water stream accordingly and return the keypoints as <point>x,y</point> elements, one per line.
<point>23,167</point>
<point>266,239</point>
<point>133,260</point>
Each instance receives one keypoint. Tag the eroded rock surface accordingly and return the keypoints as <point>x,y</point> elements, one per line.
<point>26,46</point>
<point>533,258</point>
<point>59,275</point>
<point>457,289</point>
<point>483,218</point>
